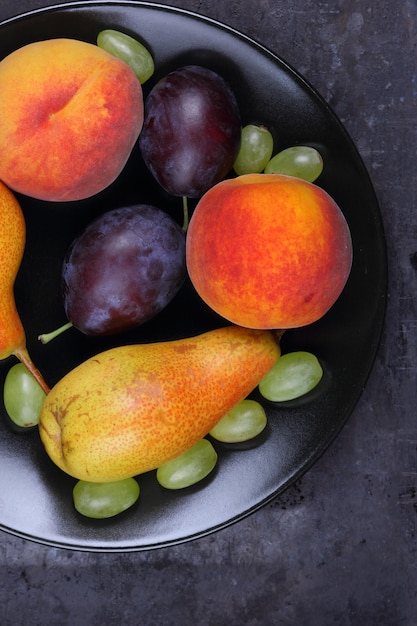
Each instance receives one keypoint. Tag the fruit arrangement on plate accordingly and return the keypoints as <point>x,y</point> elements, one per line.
<point>265,248</point>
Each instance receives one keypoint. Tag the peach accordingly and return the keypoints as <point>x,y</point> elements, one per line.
<point>70,114</point>
<point>268,251</point>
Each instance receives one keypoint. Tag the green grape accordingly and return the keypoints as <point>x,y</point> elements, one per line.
<point>23,396</point>
<point>292,376</point>
<point>128,50</point>
<point>102,500</point>
<point>188,468</point>
<point>245,421</point>
<point>300,161</point>
<point>255,150</point>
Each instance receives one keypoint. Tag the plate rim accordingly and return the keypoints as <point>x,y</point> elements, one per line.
<point>378,221</point>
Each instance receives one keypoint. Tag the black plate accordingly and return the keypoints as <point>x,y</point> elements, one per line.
<point>35,497</point>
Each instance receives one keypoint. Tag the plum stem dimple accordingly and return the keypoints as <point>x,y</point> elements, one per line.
<point>47,337</point>
<point>277,334</point>
<point>185,213</point>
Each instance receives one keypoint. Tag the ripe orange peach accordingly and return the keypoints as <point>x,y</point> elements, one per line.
<point>268,251</point>
<point>70,114</point>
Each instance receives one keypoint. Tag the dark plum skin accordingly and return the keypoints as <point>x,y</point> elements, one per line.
<point>191,131</point>
<point>123,269</point>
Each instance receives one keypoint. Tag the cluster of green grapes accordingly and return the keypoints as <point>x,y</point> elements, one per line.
<point>256,156</point>
<point>294,375</point>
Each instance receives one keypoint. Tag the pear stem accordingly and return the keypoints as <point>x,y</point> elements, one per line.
<point>186,219</point>
<point>47,337</point>
<point>23,355</point>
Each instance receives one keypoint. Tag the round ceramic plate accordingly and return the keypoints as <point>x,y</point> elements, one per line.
<point>36,497</point>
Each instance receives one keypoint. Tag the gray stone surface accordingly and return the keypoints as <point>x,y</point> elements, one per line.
<point>339,547</point>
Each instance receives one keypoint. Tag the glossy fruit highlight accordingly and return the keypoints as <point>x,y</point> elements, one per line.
<point>189,468</point>
<point>293,376</point>
<point>243,422</point>
<point>191,131</point>
<point>129,50</point>
<point>22,396</point>
<point>103,500</point>
<point>302,161</point>
<point>123,269</point>
<point>255,151</point>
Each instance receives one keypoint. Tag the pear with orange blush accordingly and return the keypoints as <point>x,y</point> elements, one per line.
<point>12,245</point>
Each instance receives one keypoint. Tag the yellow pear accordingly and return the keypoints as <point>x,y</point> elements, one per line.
<point>12,245</point>
<point>132,408</point>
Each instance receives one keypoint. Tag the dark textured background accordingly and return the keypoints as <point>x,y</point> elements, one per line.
<point>338,547</point>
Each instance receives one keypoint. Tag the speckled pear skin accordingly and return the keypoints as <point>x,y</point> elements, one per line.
<point>132,408</point>
<point>12,246</point>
